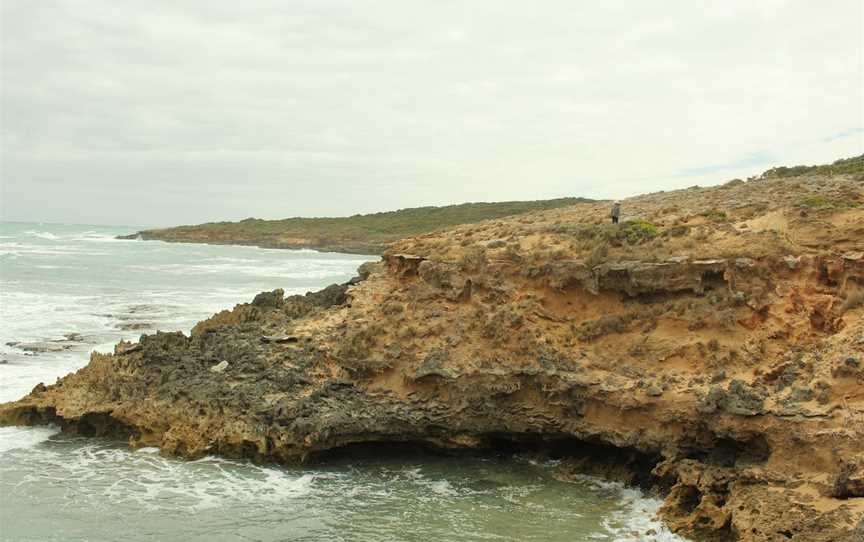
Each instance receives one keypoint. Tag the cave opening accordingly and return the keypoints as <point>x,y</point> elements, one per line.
<point>713,280</point>
<point>627,465</point>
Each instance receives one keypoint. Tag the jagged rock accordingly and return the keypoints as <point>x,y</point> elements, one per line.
<point>273,299</point>
<point>693,363</point>
<point>329,296</point>
<point>739,398</point>
<point>849,482</point>
<point>445,277</point>
<point>124,348</point>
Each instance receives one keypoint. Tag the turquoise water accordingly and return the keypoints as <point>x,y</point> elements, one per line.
<point>57,280</point>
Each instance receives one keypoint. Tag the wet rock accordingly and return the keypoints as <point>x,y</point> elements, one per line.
<point>43,347</point>
<point>75,337</point>
<point>136,326</point>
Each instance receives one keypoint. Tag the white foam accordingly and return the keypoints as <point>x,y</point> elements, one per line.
<point>14,438</point>
<point>43,235</point>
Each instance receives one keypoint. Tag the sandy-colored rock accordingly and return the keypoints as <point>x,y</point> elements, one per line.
<point>719,363</point>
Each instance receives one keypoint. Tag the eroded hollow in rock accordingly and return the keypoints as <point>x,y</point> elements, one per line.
<point>730,452</point>
<point>577,457</point>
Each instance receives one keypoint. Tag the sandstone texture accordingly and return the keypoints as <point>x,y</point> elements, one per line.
<point>711,347</point>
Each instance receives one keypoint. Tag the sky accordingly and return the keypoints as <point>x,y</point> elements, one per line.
<point>173,112</point>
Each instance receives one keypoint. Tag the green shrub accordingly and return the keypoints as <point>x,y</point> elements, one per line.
<point>818,203</point>
<point>853,165</point>
<point>638,231</point>
<point>715,215</point>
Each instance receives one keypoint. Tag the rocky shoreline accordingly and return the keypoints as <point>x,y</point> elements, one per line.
<point>719,361</point>
<point>171,235</point>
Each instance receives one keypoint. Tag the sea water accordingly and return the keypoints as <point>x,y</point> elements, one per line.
<point>70,281</point>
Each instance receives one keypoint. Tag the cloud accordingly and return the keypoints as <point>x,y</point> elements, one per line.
<point>158,113</point>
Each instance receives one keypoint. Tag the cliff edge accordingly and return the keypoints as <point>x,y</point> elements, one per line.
<point>711,346</point>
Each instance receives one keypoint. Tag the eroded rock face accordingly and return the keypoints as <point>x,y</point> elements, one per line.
<point>723,381</point>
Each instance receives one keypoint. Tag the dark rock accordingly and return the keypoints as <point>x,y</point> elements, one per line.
<point>329,296</point>
<point>433,365</point>
<point>744,400</point>
<point>739,398</point>
<point>43,347</point>
<point>849,482</point>
<point>801,394</point>
<point>279,339</point>
<point>654,390</point>
<point>136,326</point>
<point>270,300</point>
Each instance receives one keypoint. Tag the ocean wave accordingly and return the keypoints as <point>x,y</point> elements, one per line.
<point>15,438</point>
<point>42,235</point>
<point>97,471</point>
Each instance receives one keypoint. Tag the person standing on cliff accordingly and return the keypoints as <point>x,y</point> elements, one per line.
<point>616,212</point>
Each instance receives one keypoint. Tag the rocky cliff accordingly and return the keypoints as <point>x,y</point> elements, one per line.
<point>711,347</point>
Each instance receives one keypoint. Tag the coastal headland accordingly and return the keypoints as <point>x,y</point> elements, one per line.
<point>709,348</point>
<point>358,234</point>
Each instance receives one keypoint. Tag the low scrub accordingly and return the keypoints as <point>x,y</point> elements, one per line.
<point>821,202</point>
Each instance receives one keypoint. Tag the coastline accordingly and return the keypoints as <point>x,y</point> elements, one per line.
<point>360,249</point>
<point>704,356</point>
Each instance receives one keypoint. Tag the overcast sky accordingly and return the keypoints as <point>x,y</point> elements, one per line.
<point>167,112</point>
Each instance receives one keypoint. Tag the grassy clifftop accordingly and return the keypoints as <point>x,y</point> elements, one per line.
<point>364,234</point>
<point>373,233</point>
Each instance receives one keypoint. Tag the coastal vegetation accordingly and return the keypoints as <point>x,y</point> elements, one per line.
<point>707,349</point>
<point>361,234</point>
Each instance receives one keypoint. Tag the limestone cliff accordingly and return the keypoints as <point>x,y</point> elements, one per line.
<point>709,346</point>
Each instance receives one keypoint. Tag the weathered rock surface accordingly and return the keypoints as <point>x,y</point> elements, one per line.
<point>703,364</point>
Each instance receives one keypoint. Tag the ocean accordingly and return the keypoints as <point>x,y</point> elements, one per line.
<point>66,290</point>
